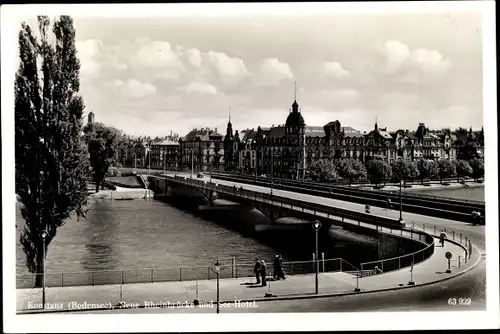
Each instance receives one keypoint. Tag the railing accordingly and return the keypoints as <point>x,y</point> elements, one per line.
<point>398,262</point>
<point>177,274</point>
<point>352,191</point>
<point>297,205</point>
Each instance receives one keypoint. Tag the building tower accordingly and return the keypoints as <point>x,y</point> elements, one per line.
<point>91,118</point>
<point>228,146</point>
<point>295,129</point>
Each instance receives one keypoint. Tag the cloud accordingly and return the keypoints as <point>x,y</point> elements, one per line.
<point>132,88</point>
<point>95,58</point>
<point>230,70</point>
<point>396,53</point>
<point>271,72</point>
<point>192,56</point>
<point>159,57</point>
<point>87,52</point>
<point>203,88</point>
<point>335,69</point>
<point>429,61</point>
<point>399,58</point>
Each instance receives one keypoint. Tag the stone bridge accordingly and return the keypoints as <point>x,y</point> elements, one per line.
<point>272,206</point>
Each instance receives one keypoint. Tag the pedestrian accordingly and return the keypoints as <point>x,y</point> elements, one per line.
<point>389,204</point>
<point>377,270</point>
<point>367,208</point>
<point>257,269</point>
<point>276,267</point>
<point>263,272</point>
<point>281,271</point>
<point>442,237</point>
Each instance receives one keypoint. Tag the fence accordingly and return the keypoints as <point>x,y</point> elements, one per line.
<point>396,263</point>
<point>177,274</point>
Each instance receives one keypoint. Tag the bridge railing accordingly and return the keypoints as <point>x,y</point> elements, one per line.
<point>319,210</point>
<point>352,192</point>
<point>402,261</point>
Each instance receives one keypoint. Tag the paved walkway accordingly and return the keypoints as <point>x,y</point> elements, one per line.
<point>243,289</point>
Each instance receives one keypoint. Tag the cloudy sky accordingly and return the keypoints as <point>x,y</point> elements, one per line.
<point>153,75</point>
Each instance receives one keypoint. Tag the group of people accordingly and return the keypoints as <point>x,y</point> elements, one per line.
<point>260,270</point>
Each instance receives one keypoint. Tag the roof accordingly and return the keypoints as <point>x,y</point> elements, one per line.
<point>249,134</point>
<point>278,131</point>
<point>203,134</point>
<point>295,119</point>
<point>167,142</point>
<point>314,131</point>
<point>385,134</point>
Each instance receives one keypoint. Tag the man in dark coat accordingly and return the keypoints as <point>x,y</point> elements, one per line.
<point>276,267</point>
<point>257,269</point>
<point>263,272</point>
<point>281,271</point>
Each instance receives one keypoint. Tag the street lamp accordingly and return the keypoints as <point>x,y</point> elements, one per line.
<point>316,226</point>
<point>44,235</point>
<point>216,267</point>
<point>401,193</point>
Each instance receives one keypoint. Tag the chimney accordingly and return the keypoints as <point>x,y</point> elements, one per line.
<point>170,133</point>
<point>216,130</point>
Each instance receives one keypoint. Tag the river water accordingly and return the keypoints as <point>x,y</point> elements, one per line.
<point>140,234</point>
<point>474,193</point>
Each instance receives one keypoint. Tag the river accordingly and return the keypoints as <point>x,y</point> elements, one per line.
<point>140,234</point>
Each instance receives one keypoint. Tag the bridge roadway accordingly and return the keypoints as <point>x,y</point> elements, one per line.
<point>275,206</point>
<point>437,207</point>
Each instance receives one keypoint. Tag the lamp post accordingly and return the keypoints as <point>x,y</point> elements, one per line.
<point>135,163</point>
<point>216,269</point>
<point>401,193</point>
<point>192,163</point>
<point>44,235</point>
<point>316,226</point>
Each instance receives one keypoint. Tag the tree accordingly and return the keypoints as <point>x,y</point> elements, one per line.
<point>426,169</point>
<point>463,168</point>
<point>50,160</point>
<point>103,142</point>
<point>323,170</point>
<point>477,166</point>
<point>351,169</point>
<point>404,170</point>
<point>378,171</point>
<point>446,169</point>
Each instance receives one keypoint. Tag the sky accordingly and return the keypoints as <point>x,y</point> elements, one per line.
<point>150,75</point>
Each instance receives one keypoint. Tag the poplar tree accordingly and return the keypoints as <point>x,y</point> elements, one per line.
<point>50,160</point>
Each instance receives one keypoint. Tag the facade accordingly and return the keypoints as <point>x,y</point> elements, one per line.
<point>202,149</point>
<point>471,145</point>
<point>165,154</point>
<point>247,149</point>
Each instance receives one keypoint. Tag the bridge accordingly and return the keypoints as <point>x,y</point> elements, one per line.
<point>459,210</point>
<point>272,206</point>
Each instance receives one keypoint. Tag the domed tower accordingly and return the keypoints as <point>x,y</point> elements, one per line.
<point>91,118</point>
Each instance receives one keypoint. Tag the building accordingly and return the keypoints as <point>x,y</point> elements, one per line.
<point>247,149</point>
<point>202,149</point>
<point>165,154</point>
<point>231,148</point>
<point>91,118</point>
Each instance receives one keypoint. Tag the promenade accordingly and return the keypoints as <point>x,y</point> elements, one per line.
<point>243,289</point>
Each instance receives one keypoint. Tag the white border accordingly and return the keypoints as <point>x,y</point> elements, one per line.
<point>10,19</point>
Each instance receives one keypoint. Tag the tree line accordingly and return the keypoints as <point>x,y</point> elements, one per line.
<point>380,171</point>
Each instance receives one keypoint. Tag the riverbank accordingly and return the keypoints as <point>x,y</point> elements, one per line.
<point>122,193</point>
<point>429,186</point>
